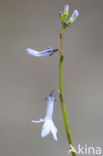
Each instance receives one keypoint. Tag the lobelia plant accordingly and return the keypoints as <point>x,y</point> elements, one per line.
<point>48,125</point>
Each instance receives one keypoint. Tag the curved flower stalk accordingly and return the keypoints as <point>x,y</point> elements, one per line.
<point>48,125</point>
<point>47,52</point>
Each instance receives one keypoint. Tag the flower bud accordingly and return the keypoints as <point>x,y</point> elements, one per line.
<point>61,15</point>
<point>71,19</point>
<point>74,16</point>
<point>66,12</point>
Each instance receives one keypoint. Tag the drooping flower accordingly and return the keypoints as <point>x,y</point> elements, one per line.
<point>47,52</point>
<point>48,125</point>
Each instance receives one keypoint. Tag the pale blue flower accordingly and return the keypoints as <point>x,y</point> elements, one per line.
<point>48,125</point>
<point>47,52</point>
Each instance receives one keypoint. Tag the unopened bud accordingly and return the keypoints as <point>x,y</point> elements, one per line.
<point>66,12</point>
<point>74,16</point>
<point>61,15</point>
<point>71,19</point>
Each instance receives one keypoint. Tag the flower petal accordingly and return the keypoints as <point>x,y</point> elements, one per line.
<point>33,53</point>
<point>41,120</point>
<point>49,127</point>
<point>53,130</point>
<point>45,129</point>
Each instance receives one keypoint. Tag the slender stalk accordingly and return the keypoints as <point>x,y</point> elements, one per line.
<point>61,92</point>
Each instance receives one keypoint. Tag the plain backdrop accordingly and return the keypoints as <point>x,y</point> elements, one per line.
<point>26,81</point>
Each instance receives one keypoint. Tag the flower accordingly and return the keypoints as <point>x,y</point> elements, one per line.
<point>47,52</point>
<point>48,125</point>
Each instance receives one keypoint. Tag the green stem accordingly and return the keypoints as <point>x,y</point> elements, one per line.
<point>61,92</point>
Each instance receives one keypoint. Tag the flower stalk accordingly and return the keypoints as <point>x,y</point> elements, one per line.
<point>67,129</point>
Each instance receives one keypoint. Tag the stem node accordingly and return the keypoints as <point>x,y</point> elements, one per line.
<point>62,58</point>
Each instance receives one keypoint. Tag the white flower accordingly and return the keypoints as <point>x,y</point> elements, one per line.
<point>48,125</point>
<point>47,52</point>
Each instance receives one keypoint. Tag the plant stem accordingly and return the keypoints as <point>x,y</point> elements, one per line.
<point>61,93</point>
